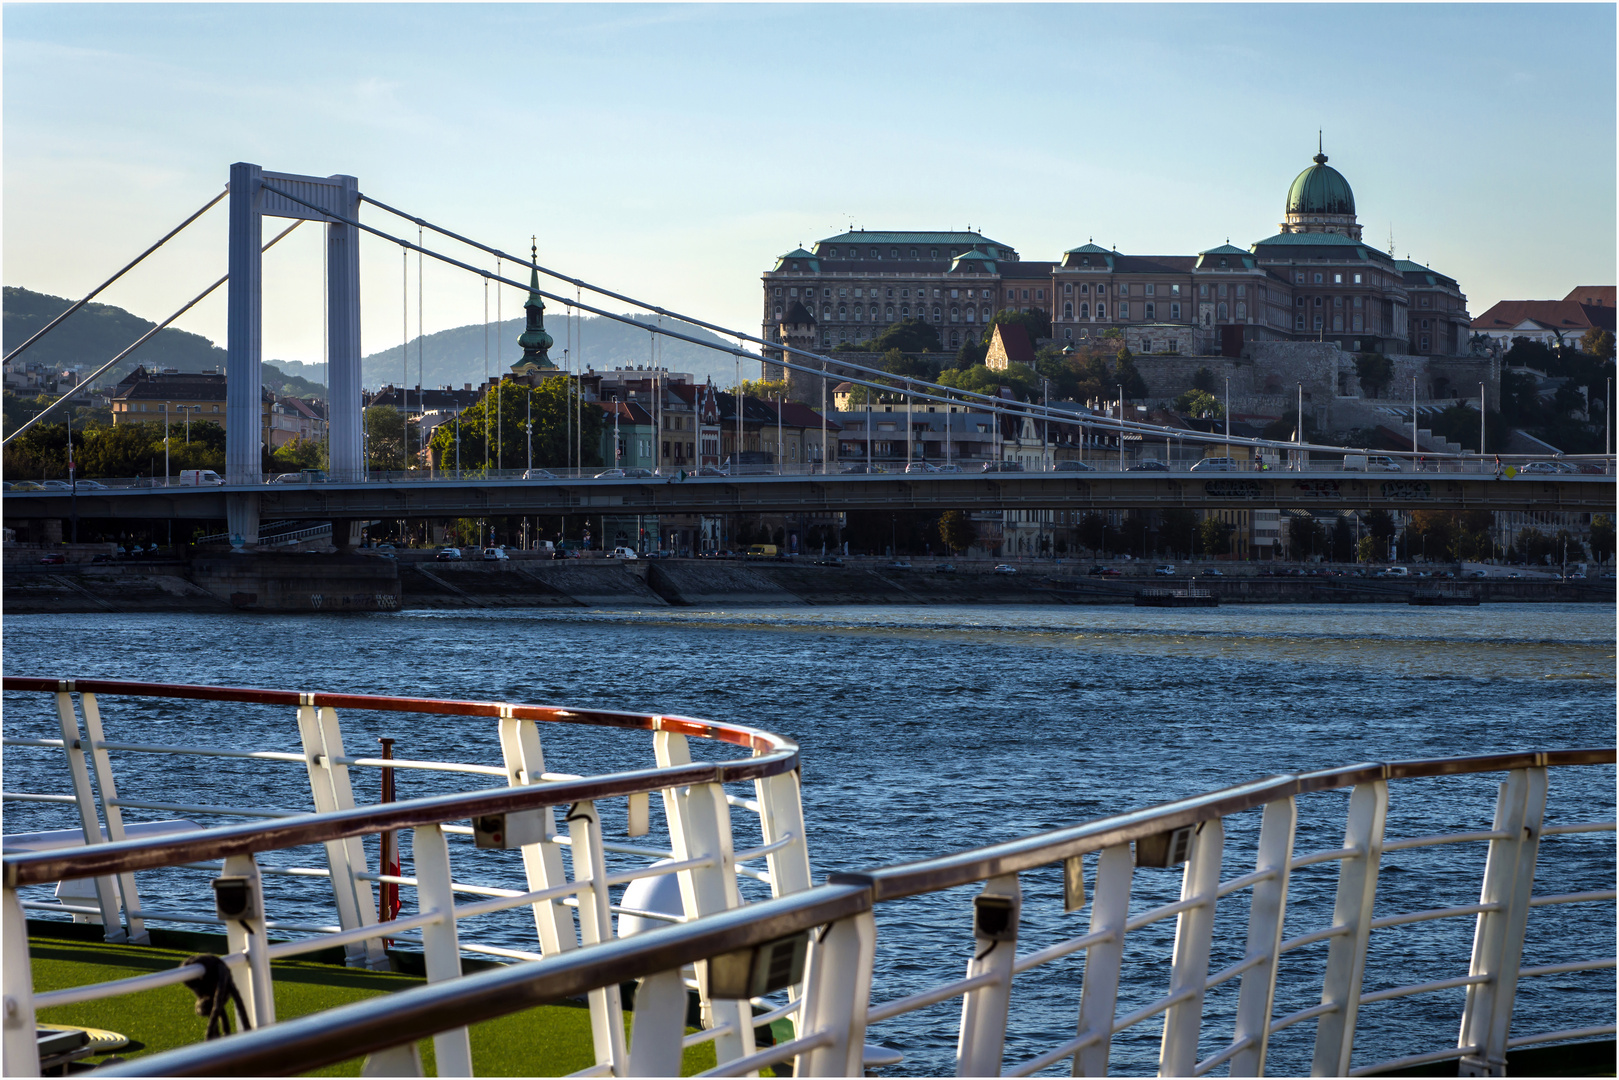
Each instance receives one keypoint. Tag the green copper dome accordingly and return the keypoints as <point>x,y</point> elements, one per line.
<point>1320,190</point>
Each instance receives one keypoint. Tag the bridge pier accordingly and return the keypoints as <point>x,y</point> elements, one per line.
<point>242,520</point>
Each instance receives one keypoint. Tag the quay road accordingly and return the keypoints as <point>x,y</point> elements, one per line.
<point>1094,490</point>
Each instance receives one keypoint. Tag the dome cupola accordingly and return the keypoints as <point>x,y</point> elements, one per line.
<point>1320,200</point>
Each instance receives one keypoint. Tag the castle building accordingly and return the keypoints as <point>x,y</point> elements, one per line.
<point>1315,280</point>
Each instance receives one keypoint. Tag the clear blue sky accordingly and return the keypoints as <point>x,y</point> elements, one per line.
<point>673,152</point>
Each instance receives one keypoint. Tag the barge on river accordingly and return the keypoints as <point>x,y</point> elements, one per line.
<point>748,961</point>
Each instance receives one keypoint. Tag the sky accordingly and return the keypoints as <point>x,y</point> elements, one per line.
<point>672,152</point>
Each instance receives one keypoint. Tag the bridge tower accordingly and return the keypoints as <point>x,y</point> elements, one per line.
<point>250,202</point>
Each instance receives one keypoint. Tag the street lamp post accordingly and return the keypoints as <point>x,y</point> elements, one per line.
<point>165,444</point>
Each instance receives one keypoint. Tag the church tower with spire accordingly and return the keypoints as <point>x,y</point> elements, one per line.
<point>536,343</point>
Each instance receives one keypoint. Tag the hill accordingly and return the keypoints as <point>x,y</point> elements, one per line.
<point>454,357</point>
<point>98,332</point>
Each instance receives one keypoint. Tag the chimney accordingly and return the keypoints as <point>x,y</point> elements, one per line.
<point>469,386</point>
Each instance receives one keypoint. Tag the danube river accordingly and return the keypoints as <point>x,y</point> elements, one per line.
<point>927,730</point>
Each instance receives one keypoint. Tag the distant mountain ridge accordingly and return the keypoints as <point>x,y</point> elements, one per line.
<point>98,332</point>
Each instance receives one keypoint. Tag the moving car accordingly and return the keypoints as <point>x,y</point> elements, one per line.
<point>951,468</point>
<point>1002,568</point>
<point>1216,464</point>
<point>921,467</point>
<point>1164,571</point>
<point>945,568</point>
<point>1394,571</point>
<point>860,470</point>
<point>448,554</point>
<point>1547,468</point>
<point>622,553</point>
<point>1074,466</point>
<point>27,485</point>
<point>1003,466</point>
<point>53,558</point>
<point>1148,465</point>
<point>200,478</point>
<point>539,474</point>
<point>898,565</point>
<point>495,554</point>
<point>1104,571</point>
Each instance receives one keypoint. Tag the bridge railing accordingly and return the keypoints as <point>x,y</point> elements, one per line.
<point>1227,1017</point>
<point>715,864</point>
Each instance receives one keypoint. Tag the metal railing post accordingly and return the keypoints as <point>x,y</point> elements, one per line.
<point>440,947</point>
<point>1346,956</point>
<point>102,764</point>
<point>1509,878</point>
<point>330,787</point>
<point>837,995</point>
<point>1267,911</point>
<point>781,813</point>
<point>1194,927</point>
<point>700,828</point>
<point>660,1024</point>
<point>542,862</point>
<point>982,1037</point>
<point>1098,1000</point>
<point>595,927</point>
<point>21,1052</point>
<point>250,936</point>
<point>84,798</point>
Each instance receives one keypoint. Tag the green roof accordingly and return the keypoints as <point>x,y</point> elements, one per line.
<point>861,238</point>
<point>1088,249</point>
<point>1320,189</point>
<point>1224,249</point>
<point>1312,239</point>
<point>1406,266</point>
<point>812,263</point>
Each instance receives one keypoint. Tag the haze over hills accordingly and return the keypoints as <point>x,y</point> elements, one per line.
<point>98,332</point>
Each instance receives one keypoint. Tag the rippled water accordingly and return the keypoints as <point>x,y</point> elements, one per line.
<point>926,730</point>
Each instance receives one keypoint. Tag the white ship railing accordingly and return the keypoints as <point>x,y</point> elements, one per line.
<point>832,1008</point>
<point>705,853</point>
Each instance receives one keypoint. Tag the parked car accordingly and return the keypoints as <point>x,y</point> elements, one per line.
<point>638,474</point>
<point>1148,465</point>
<point>945,568</point>
<point>448,554</point>
<point>1074,466</point>
<point>495,554</point>
<point>1591,467</point>
<point>1216,464</point>
<point>921,467</point>
<point>53,558</point>
<point>1164,571</point>
<point>1002,568</point>
<point>1003,466</point>
<point>539,474</point>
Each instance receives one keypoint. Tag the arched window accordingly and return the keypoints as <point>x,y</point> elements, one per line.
<point>1242,311</point>
<point>955,314</point>
<point>972,315</point>
<point>778,314</point>
<point>843,312</point>
<point>985,313</point>
<point>1222,312</point>
<point>1101,310</point>
<point>1084,311</point>
<point>1298,322</point>
<point>826,311</point>
<point>937,314</point>
<point>874,313</point>
<point>905,311</point>
<point>888,313</point>
<point>1068,311</point>
<point>955,339</point>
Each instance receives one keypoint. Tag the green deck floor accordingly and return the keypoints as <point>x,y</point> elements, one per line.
<point>551,1040</point>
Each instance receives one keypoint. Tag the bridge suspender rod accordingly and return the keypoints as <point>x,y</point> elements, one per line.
<point>48,327</point>
<point>88,379</point>
<point>948,395</point>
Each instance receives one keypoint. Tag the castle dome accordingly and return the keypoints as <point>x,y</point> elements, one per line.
<point>1320,189</point>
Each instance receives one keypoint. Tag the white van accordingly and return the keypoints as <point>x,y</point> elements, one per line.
<point>199,477</point>
<point>623,553</point>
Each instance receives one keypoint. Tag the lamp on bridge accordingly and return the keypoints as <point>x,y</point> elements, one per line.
<point>188,410</point>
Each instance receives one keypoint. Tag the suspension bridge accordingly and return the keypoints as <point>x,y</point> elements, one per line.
<point>1460,482</point>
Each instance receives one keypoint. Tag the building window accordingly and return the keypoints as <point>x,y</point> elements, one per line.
<point>971,314</point>
<point>1425,300</point>
<point>843,294</point>
<point>955,314</point>
<point>937,316</point>
<point>1149,289</point>
<point>893,253</point>
<point>1357,279</point>
<point>1175,311</point>
<point>1123,312</point>
<point>1124,289</point>
<point>832,253</point>
<point>1151,310</point>
<point>1318,279</point>
<point>913,253</point>
<point>1084,288</point>
<point>1318,322</point>
<point>843,312</point>
<point>1425,324</point>
<point>1242,312</point>
<point>955,339</point>
<point>1337,301</point>
<point>1359,301</point>
<point>1068,310</point>
<point>1101,310</point>
<point>1337,279</point>
<point>1221,289</point>
<point>1222,313</point>
<point>778,314</point>
<point>1242,291</point>
<point>1202,290</point>
<point>1317,301</point>
<point>1298,323</point>
<point>890,294</point>
<point>1174,345</point>
<point>888,312</point>
<point>1298,278</point>
<point>1068,287</point>
<point>933,253</point>
<point>1025,294</point>
<point>1039,294</point>
<point>1084,311</point>
<point>778,292</point>
<point>1337,323</point>
<point>1424,344</point>
<point>1011,294</point>
<point>1358,321</point>
<point>905,311</point>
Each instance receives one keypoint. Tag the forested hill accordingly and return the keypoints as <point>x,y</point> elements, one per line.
<point>453,357</point>
<point>98,332</point>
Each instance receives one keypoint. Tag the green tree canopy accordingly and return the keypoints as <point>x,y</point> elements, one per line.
<point>1203,379</point>
<point>1035,321</point>
<point>1597,342</point>
<point>907,335</point>
<point>957,530</point>
<point>1214,536</point>
<point>1022,380</point>
<point>1601,538</point>
<point>1200,404</point>
<point>495,425</point>
<point>1374,370</point>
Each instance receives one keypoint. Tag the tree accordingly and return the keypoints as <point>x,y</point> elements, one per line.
<point>1343,541</point>
<point>385,438</point>
<point>1022,380</point>
<point>1133,531</point>
<point>1126,375</point>
<point>1374,370</point>
<point>495,425</point>
<point>764,389</point>
<point>1177,527</point>
<point>1305,537</point>
<point>957,530</point>
<point>1597,342</point>
<point>1370,549</point>
<point>1203,379</point>
<point>1199,403</point>
<point>1533,547</point>
<point>912,367</point>
<point>971,354</point>
<point>1214,536</point>
<point>1601,538</point>
<point>907,335</point>
<point>1093,532</point>
<point>300,454</point>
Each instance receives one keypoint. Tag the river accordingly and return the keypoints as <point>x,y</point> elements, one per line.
<point>926,730</point>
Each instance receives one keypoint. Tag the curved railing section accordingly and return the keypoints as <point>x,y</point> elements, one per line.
<point>571,910</point>
<point>811,955</point>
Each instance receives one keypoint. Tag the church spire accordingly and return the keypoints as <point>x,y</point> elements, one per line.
<point>535,341</point>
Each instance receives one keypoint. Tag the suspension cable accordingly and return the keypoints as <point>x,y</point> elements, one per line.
<point>48,327</point>
<point>90,378</point>
<point>948,395</point>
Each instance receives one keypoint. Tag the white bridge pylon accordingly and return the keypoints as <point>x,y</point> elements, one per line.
<point>249,204</point>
